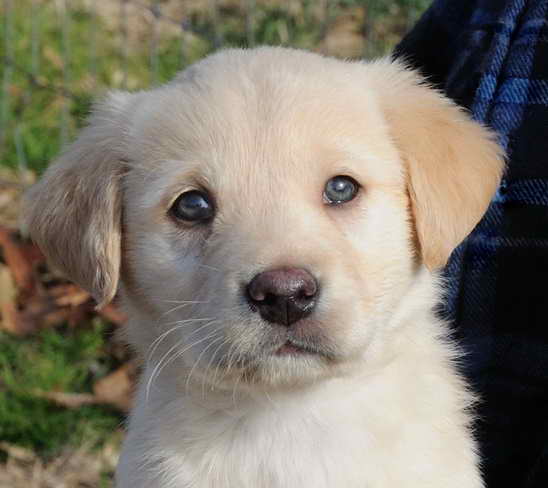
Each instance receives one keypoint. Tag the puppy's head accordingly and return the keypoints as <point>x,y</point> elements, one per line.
<point>264,213</point>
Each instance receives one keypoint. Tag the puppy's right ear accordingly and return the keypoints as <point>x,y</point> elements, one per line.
<point>453,165</point>
<point>74,212</point>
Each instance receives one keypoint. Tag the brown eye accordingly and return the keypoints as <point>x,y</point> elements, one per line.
<point>193,206</point>
<point>340,189</point>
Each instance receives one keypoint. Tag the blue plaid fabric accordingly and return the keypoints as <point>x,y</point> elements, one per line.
<point>491,56</point>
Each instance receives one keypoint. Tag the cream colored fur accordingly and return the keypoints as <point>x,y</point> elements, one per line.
<point>263,130</point>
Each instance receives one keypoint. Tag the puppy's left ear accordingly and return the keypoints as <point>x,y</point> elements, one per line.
<point>74,212</point>
<point>453,164</point>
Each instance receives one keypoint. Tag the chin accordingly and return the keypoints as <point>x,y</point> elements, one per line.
<point>289,368</point>
<point>291,364</point>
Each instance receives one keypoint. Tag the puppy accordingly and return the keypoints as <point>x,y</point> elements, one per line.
<point>273,222</point>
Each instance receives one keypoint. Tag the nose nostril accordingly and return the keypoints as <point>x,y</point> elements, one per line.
<point>267,299</point>
<point>270,299</point>
<point>255,291</point>
<point>256,296</point>
<point>304,296</point>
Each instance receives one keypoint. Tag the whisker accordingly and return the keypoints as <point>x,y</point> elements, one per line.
<point>174,309</point>
<point>180,353</point>
<point>159,367</point>
<point>227,340</point>
<point>231,353</point>
<point>217,369</point>
<point>186,302</point>
<point>182,304</point>
<point>199,319</point>
<point>173,358</point>
<point>180,324</point>
<point>228,366</point>
<point>152,376</point>
<point>187,384</point>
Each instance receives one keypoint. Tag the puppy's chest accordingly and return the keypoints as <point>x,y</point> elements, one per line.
<point>379,437</point>
<point>270,451</point>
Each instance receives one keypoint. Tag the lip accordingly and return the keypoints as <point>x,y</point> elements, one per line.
<point>291,349</point>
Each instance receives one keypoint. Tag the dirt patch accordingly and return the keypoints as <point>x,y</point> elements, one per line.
<point>80,468</point>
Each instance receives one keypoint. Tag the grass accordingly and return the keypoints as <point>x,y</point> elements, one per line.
<point>59,60</point>
<point>53,360</point>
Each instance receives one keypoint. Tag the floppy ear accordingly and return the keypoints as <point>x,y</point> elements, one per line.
<point>453,164</point>
<point>74,212</point>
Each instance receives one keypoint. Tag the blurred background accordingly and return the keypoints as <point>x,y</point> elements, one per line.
<point>65,382</point>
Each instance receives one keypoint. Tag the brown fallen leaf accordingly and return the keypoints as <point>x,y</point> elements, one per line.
<point>113,314</point>
<point>59,290</point>
<point>84,466</point>
<point>69,400</point>
<point>17,452</point>
<point>79,315</point>
<point>8,291</point>
<point>73,297</point>
<point>117,388</point>
<point>10,318</point>
<point>12,321</point>
<point>40,310</point>
<point>17,259</point>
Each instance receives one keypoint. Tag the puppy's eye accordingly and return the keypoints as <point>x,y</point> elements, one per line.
<point>193,206</point>
<point>340,189</point>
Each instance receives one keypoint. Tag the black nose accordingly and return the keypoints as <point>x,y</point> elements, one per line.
<point>283,296</point>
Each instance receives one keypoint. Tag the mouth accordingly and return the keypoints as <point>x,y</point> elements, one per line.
<point>289,348</point>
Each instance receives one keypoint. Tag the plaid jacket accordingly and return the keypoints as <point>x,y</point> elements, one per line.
<point>491,56</point>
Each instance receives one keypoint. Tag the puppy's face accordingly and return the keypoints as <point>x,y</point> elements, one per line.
<point>275,243</point>
<point>273,208</point>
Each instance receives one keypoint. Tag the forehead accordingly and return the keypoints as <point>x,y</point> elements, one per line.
<point>264,125</point>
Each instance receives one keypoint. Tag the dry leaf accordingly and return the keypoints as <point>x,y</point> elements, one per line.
<point>112,314</point>
<point>17,452</point>
<point>117,388</point>
<point>12,320</point>
<point>41,311</point>
<point>16,259</point>
<point>73,297</point>
<point>72,468</point>
<point>78,315</point>
<point>8,291</point>
<point>69,400</point>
